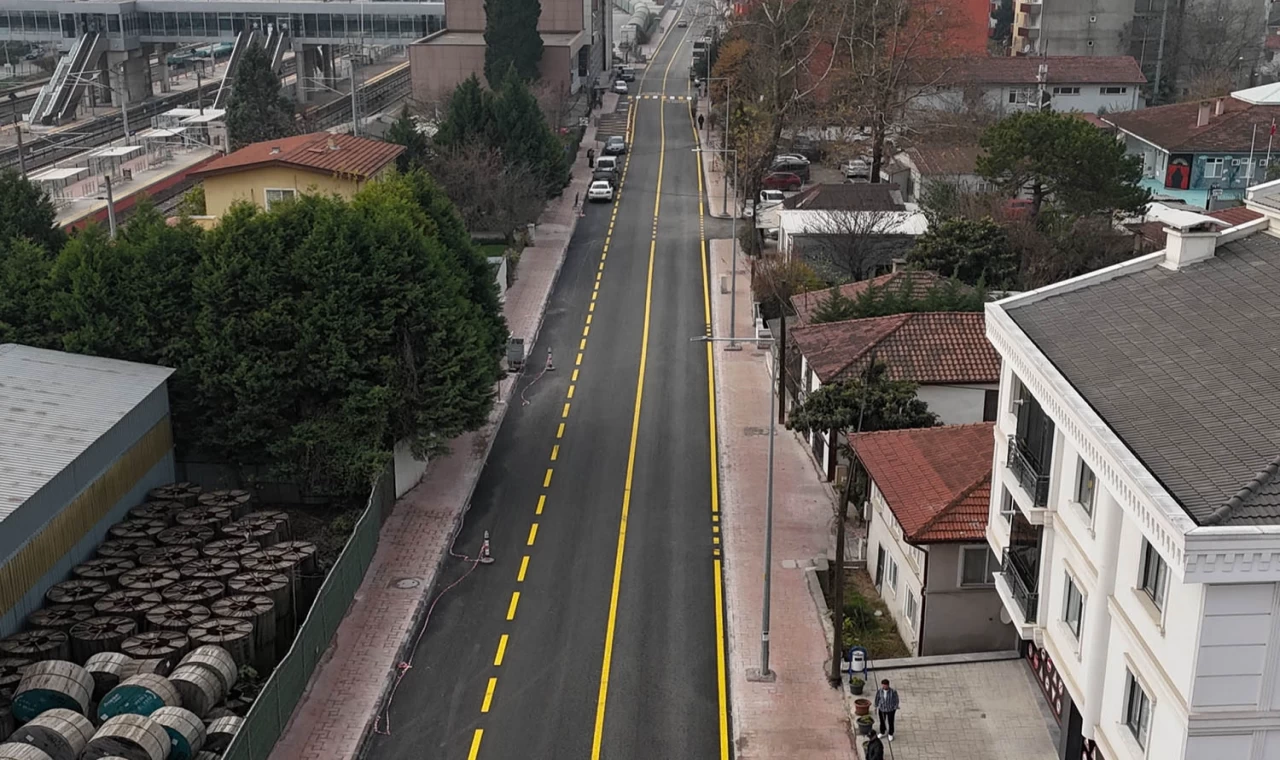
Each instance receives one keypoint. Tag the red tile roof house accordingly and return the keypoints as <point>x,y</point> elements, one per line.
<point>946,353</point>
<point>929,493</point>
<point>1090,84</point>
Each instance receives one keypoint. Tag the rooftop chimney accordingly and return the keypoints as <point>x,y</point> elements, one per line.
<point>275,149</point>
<point>1202,116</point>
<point>1218,105</point>
<point>332,144</point>
<point>1189,245</point>
<point>899,265</point>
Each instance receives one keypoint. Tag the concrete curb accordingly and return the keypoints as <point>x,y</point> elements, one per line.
<point>502,405</point>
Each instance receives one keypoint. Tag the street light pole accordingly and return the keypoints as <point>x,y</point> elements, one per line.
<point>763,674</point>
<point>733,269</point>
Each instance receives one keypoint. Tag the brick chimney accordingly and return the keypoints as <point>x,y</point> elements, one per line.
<point>1202,116</point>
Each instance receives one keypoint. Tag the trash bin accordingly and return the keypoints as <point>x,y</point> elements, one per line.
<point>857,660</point>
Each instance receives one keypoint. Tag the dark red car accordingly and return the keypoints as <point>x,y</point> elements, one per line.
<point>782,181</point>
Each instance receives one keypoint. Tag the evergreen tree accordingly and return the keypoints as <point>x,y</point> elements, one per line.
<point>26,212</point>
<point>404,131</point>
<point>523,134</point>
<point>836,307</point>
<point>975,252</point>
<point>24,294</point>
<point>469,116</point>
<point>258,110</point>
<point>885,404</point>
<point>511,40</point>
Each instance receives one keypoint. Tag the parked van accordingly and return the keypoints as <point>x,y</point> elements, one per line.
<point>607,163</point>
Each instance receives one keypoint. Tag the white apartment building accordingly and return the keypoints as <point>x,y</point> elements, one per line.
<point>1135,504</point>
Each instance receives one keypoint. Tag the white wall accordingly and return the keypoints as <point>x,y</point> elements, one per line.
<point>956,404</point>
<point>997,97</point>
<point>885,531</point>
<point>409,469</point>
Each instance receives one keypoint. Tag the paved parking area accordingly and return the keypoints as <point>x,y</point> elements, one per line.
<point>969,711</point>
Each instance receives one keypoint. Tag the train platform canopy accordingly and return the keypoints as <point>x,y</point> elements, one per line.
<point>54,406</point>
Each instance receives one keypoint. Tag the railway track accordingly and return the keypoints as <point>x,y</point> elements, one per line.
<point>375,95</point>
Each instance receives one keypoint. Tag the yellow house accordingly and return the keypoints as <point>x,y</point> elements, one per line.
<point>276,170</point>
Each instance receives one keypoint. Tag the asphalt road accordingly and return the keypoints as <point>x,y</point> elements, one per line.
<point>597,633</point>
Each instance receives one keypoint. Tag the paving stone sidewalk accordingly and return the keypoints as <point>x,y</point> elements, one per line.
<point>346,691</point>
<point>799,715</point>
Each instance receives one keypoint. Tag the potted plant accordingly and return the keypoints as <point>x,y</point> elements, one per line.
<point>866,724</point>
<point>856,684</point>
<point>861,707</point>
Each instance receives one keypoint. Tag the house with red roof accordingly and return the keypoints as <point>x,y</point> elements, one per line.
<point>946,354</point>
<point>929,490</point>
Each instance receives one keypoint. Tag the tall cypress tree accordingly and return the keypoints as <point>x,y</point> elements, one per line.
<point>258,110</point>
<point>469,116</point>
<point>521,132</point>
<point>511,39</point>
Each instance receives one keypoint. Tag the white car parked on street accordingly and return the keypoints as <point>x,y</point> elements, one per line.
<point>600,191</point>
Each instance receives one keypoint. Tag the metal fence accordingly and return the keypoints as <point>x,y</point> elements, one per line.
<point>270,713</point>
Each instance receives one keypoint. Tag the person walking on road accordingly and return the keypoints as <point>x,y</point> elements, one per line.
<point>874,748</point>
<point>887,705</point>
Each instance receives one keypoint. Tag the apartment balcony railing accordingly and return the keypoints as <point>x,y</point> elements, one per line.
<point>1024,583</point>
<point>1032,476</point>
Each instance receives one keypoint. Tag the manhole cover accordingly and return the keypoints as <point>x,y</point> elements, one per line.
<point>407,583</point>
<point>755,431</point>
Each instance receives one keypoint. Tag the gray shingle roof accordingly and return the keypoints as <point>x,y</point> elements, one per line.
<point>1185,368</point>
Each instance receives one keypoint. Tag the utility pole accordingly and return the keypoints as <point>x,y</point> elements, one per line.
<point>1155,85</point>
<point>199,93</point>
<point>355,109</point>
<point>22,159</point>
<point>111,207</point>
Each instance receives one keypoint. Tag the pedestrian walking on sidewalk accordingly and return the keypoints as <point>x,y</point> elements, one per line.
<point>887,705</point>
<point>874,748</point>
<point>591,158</point>
<point>699,121</point>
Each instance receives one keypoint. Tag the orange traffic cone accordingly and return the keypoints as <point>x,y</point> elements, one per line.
<point>485,557</point>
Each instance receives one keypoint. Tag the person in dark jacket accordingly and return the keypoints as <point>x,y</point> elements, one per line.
<point>886,703</point>
<point>874,749</point>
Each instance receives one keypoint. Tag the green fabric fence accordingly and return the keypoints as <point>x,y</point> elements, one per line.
<point>270,713</point>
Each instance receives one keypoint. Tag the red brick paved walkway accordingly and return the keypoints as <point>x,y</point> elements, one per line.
<point>798,716</point>
<point>346,691</point>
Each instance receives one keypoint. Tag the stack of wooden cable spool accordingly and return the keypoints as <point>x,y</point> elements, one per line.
<point>106,569</point>
<point>142,694</point>
<point>235,636</point>
<point>108,669</point>
<point>37,645</point>
<point>303,555</point>
<point>273,561</point>
<point>134,528</point>
<point>220,733</point>
<point>186,535</point>
<point>204,678</point>
<point>177,616</point>
<point>236,500</point>
<point>231,548</point>
<point>168,556</point>
<point>7,723</point>
<point>186,731</point>
<point>132,603</point>
<point>125,548</point>
<point>100,634</point>
<point>260,611</point>
<point>186,493</point>
<point>153,510</point>
<point>18,751</point>
<point>278,588</point>
<point>266,527</point>
<point>60,733</point>
<point>150,577</point>
<point>52,684</point>
<point>60,617</point>
<point>195,590</point>
<point>11,673</point>
<point>130,736</point>
<point>76,591</point>
<point>211,568</point>
<point>205,516</point>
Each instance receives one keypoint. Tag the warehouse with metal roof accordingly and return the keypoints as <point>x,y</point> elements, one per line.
<point>82,439</point>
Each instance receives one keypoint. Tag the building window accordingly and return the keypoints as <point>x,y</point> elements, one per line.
<point>1007,507</point>
<point>1073,608</point>
<point>1114,90</point>
<point>990,403</point>
<point>909,607</point>
<point>1137,709</point>
<point>1213,167</point>
<point>892,575</point>
<point>1086,488</point>
<point>1155,574</point>
<point>274,195</point>
<point>1022,96</point>
<point>977,566</point>
<point>1066,90</point>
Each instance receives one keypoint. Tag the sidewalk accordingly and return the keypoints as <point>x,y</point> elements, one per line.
<point>799,715</point>
<point>712,172</point>
<point>346,691</point>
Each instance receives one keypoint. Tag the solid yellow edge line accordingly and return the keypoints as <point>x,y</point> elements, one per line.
<point>475,744</point>
<point>722,691</point>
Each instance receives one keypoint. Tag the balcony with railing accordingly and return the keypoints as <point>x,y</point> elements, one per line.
<point>1032,475</point>
<point>1023,579</point>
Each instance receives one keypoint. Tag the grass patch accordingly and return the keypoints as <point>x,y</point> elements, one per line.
<point>877,634</point>
<point>493,250</point>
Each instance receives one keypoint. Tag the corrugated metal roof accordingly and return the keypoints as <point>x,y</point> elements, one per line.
<point>53,406</point>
